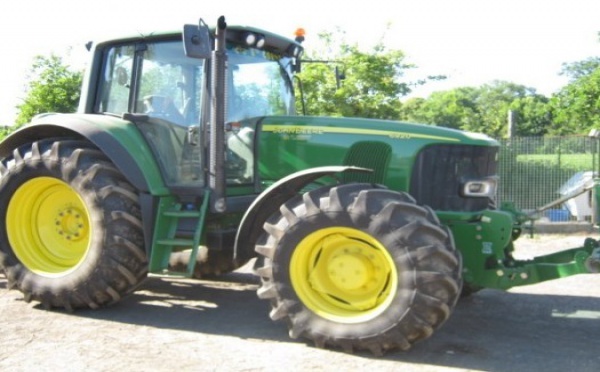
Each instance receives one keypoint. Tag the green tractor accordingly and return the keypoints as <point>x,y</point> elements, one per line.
<point>365,233</point>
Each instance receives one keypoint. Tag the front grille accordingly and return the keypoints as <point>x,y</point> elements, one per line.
<point>440,170</point>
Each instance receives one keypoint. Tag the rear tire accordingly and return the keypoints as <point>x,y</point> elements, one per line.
<point>72,235</point>
<point>358,267</point>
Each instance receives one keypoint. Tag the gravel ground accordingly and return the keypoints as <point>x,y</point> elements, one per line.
<point>193,325</point>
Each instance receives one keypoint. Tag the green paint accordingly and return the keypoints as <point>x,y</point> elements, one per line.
<point>486,245</point>
<point>288,144</point>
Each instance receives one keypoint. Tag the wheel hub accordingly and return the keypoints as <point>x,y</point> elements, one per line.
<point>70,223</point>
<point>48,226</point>
<point>350,271</point>
<point>344,274</point>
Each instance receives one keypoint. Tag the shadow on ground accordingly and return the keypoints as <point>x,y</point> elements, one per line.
<point>491,330</point>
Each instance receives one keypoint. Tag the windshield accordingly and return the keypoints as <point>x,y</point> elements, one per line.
<point>259,84</point>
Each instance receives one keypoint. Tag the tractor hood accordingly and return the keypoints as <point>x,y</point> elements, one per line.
<point>286,144</point>
<point>370,129</point>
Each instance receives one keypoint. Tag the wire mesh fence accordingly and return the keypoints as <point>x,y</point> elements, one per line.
<point>535,171</point>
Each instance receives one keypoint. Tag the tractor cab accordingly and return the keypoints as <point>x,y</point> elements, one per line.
<point>151,82</point>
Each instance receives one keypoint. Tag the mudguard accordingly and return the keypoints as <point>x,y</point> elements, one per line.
<point>269,201</point>
<point>119,139</point>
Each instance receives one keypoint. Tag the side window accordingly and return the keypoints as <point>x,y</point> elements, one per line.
<point>158,80</point>
<point>170,85</point>
<point>116,83</point>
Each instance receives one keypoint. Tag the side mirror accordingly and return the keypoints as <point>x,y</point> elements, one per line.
<point>196,41</point>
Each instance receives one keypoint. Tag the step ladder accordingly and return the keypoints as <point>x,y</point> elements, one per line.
<point>165,241</point>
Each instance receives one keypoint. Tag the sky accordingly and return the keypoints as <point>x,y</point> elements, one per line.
<point>472,42</point>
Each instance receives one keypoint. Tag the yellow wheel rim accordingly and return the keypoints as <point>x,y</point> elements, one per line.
<point>343,274</point>
<point>48,226</point>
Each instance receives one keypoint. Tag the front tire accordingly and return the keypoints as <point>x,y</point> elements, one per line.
<point>72,235</point>
<point>358,267</point>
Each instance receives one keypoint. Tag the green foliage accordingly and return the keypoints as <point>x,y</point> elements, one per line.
<point>453,109</point>
<point>372,86</point>
<point>483,109</point>
<point>572,162</point>
<point>52,87</point>
<point>532,115</point>
<point>576,107</point>
<point>579,69</point>
<point>4,132</point>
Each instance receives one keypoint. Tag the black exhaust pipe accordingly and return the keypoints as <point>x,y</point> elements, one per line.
<point>217,122</point>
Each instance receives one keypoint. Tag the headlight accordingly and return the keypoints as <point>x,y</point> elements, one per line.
<point>252,39</point>
<point>483,188</point>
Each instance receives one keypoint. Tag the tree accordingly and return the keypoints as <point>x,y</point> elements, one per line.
<point>413,110</point>
<point>483,109</point>
<point>52,87</point>
<point>578,69</point>
<point>454,108</point>
<point>494,102</point>
<point>533,115</point>
<point>576,107</point>
<point>4,132</point>
<point>372,86</point>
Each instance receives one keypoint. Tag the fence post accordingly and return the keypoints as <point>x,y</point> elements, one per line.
<point>512,124</point>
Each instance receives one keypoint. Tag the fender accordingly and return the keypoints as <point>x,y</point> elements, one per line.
<point>118,139</point>
<point>269,201</point>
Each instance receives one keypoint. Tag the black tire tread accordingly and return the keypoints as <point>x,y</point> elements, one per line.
<point>435,282</point>
<point>121,264</point>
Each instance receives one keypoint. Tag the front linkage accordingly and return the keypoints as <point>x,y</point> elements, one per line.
<point>487,244</point>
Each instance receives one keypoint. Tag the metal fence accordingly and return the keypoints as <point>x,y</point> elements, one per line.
<point>534,171</point>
